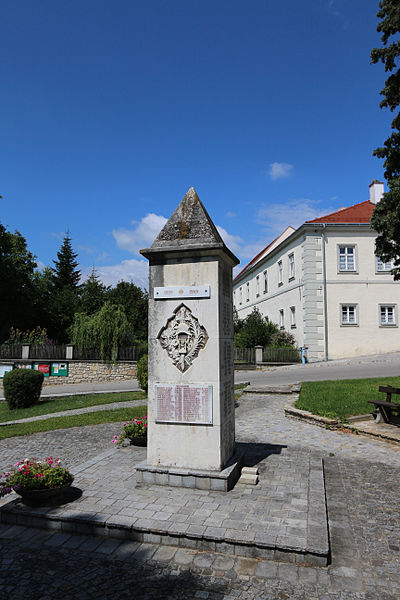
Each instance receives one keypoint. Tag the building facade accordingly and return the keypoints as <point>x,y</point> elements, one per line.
<point>324,284</point>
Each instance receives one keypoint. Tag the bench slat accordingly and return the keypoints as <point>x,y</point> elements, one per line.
<point>382,403</point>
<point>387,389</point>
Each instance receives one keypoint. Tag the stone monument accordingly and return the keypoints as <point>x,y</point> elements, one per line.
<point>191,410</point>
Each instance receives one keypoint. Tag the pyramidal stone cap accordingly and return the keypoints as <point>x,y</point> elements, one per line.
<point>189,228</point>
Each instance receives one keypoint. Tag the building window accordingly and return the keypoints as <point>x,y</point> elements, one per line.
<point>240,295</point>
<point>383,266</point>
<point>291,266</point>
<point>348,314</point>
<point>347,258</point>
<point>387,315</point>
<point>281,319</point>
<point>280,273</point>
<point>265,282</point>
<point>234,297</point>
<point>247,291</point>
<point>293,317</point>
<point>257,286</point>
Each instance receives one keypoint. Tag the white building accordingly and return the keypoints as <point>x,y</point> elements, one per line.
<point>323,283</point>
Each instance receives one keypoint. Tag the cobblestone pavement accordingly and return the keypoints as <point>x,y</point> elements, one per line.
<point>363,498</point>
<point>260,419</point>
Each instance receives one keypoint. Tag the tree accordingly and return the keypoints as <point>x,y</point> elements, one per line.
<point>65,294</point>
<point>93,294</point>
<point>65,273</point>
<point>255,330</point>
<point>386,217</point>
<point>106,329</point>
<point>17,267</point>
<point>134,301</point>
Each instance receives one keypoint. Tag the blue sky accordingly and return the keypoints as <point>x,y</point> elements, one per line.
<point>110,111</point>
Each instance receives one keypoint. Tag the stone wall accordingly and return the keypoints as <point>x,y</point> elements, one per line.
<point>92,372</point>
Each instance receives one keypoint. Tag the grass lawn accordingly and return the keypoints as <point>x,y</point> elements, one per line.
<point>344,398</point>
<point>104,416</point>
<point>52,405</point>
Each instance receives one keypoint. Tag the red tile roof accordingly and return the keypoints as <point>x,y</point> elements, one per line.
<point>358,213</point>
<point>254,260</point>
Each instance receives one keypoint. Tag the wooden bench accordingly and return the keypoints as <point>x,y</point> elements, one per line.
<point>385,409</point>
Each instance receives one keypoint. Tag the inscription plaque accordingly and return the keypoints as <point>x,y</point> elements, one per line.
<point>186,403</point>
<point>182,291</point>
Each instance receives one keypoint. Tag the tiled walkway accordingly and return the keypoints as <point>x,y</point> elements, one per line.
<point>363,498</point>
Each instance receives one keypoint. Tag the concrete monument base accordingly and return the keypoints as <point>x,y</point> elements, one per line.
<point>200,479</point>
<point>283,517</point>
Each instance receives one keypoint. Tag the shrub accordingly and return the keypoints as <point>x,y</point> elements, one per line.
<point>142,372</point>
<point>142,347</point>
<point>283,339</point>
<point>22,387</point>
<point>254,330</point>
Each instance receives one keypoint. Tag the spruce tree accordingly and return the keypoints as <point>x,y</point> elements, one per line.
<point>386,217</point>
<point>65,273</point>
<point>65,295</point>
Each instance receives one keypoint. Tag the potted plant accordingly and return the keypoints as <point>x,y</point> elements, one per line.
<point>135,431</point>
<point>36,481</point>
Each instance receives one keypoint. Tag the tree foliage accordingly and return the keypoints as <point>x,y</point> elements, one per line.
<point>49,299</point>
<point>64,299</point>
<point>256,330</point>
<point>65,272</point>
<point>17,267</point>
<point>386,217</point>
<point>93,294</point>
<point>134,301</point>
<point>106,329</point>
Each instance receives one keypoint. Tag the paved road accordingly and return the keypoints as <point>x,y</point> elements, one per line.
<point>385,365</point>
<point>363,496</point>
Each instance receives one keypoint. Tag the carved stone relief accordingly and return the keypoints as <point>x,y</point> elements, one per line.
<point>183,337</point>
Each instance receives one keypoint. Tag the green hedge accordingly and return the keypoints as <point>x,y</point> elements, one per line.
<point>143,371</point>
<point>22,387</point>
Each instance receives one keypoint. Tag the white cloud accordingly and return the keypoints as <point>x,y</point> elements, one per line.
<point>279,170</point>
<point>233,242</point>
<point>142,236</point>
<point>127,270</point>
<point>276,217</point>
<point>230,214</point>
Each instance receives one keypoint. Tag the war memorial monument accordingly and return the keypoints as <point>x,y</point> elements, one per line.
<point>189,490</point>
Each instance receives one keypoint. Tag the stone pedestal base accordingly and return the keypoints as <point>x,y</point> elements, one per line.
<point>221,481</point>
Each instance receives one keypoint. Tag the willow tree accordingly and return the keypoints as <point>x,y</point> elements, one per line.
<point>105,330</point>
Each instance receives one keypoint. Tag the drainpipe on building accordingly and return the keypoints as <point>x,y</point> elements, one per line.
<point>325,292</point>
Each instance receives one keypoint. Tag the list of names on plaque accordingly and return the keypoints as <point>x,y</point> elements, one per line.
<point>188,403</point>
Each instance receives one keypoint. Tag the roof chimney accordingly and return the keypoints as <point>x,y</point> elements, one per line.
<point>376,191</point>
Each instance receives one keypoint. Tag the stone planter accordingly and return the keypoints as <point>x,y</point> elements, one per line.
<point>42,497</point>
<point>138,440</point>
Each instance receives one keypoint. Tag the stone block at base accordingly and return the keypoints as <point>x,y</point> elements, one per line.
<point>221,481</point>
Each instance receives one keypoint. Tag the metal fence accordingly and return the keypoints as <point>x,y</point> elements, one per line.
<point>281,355</point>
